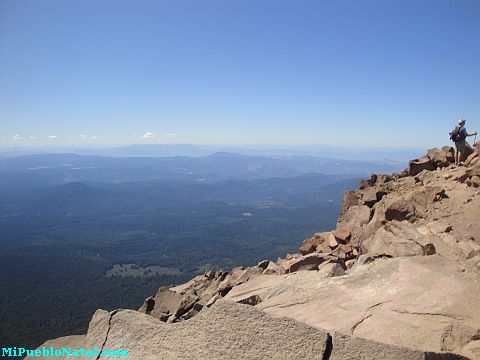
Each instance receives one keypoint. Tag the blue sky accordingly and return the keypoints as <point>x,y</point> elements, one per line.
<point>346,73</point>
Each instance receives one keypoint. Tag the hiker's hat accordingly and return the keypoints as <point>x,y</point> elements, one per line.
<point>461,121</point>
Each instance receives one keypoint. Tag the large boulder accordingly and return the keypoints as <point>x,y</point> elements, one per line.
<point>274,269</point>
<point>440,157</point>
<point>309,245</point>
<point>449,153</point>
<point>396,239</point>
<point>188,301</point>
<point>331,269</point>
<point>224,331</point>
<point>236,276</point>
<point>163,305</point>
<point>471,157</point>
<point>371,196</point>
<point>184,301</point>
<point>342,235</point>
<point>474,170</point>
<point>416,166</point>
<point>427,195</point>
<point>243,276</point>
<point>462,176</point>
<point>378,180</point>
<point>332,241</point>
<point>307,262</point>
<point>389,208</point>
<point>474,181</point>
<point>399,209</point>
<point>474,161</point>
<point>355,218</point>
<point>350,198</point>
<point>263,264</point>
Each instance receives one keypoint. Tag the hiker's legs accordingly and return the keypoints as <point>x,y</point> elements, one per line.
<point>460,151</point>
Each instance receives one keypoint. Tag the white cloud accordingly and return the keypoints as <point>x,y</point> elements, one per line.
<point>17,137</point>
<point>52,137</point>
<point>31,137</point>
<point>148,135</point>
<point>84,137</point>
<point>169,136</point>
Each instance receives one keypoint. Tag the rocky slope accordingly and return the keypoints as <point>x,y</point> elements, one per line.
<point>399,278</point>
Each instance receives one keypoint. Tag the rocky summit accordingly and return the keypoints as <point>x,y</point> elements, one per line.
<point>398,278</point>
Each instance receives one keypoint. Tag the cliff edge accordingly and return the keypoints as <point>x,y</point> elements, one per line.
<point>399,278</point>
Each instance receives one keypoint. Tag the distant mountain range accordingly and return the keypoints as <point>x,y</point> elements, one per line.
<point>169,150</point>
<point>44,169</point>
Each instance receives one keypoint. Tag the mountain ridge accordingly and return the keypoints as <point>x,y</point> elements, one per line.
<point>163,150</point>
<point>61,168</point>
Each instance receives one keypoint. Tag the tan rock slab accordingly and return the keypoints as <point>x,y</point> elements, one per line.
<point>411,301</point>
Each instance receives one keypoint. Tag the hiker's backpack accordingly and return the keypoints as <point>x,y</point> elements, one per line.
<point>455,134</point>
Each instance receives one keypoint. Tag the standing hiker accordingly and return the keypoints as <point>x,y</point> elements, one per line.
<point>459,136</point>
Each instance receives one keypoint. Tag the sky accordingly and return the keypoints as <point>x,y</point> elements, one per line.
<point>370,73</point>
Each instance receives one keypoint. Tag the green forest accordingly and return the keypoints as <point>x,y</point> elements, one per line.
<point>59,243</point>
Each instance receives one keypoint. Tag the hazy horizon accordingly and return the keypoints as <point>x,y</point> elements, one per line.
<point>401,155</point>
<point>219,145</point>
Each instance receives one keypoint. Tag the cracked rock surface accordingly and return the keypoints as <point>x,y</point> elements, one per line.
<point>234,331</point>
<point>387,300</point>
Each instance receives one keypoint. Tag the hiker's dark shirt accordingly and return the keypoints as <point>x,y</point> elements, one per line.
<point>463,133</point>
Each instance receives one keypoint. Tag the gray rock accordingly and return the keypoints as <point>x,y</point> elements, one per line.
<point>274,269</point>
<point>394,239</point>
<point>331,269</point>
<point>263,264</point>
<point>348,348</point>
<point>224,331</point>
<point>165,302</point>
<point>188,301</point>
<point>233,331</point>
<point>361,261</point>
<point>307,262</point>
